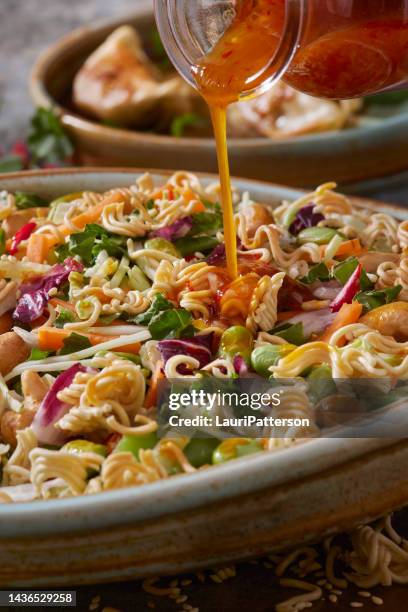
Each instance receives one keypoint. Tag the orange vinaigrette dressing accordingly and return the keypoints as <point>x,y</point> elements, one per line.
<point>223,75</point>
<point>219,119</point>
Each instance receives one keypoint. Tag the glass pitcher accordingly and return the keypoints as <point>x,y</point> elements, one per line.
<point>235,49</point>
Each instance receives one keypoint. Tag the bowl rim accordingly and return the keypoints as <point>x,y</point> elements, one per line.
<point>41,96</point>
<point>236,478</point>
<point>290,192</point>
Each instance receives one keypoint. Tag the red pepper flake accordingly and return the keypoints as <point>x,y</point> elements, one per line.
<point>23,234</point>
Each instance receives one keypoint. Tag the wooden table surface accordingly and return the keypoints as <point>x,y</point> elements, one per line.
<point>254,589</point>
<point>31,26</point>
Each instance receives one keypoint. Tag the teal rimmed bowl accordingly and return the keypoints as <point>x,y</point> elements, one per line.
<point>230,512</point>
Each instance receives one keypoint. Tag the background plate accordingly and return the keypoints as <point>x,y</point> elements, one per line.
<point>378,147</point>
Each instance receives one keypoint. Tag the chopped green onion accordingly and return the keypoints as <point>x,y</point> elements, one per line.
<point>333,247</point>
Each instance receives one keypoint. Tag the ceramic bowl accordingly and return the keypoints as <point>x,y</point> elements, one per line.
<point>238,510</point>
<point>375,148</point>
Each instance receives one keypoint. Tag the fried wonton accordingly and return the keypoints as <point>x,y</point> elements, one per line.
<point>120,84</point>
<point>283,112</point>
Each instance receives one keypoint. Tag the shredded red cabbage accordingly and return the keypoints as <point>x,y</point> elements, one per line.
<point>349,291</point>
<point>305,218</point>
<point>314,321</point>
<point>52,409</point>
<point>327,290</point>
<point>34,294</point>
<point>292,295</point>
<point>240,365</point>
<point>198,347</point>
<point>218,255</point>
<point>23,234</point>
<point>177,230</point>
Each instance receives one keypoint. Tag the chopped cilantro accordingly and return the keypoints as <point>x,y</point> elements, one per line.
<point>37,354</point>
<point>174,323</point>
<point>48,141</point>
<point>159,304</point>
<point>374,299</point>
<point>345,269</point>
<point>89,243</point>
<point>29,200</point>
<point>201,244</point>
<point>319,272</point>
<point>11,163</point>
<point>182,122</point>
<point>64,316</point>
<point>74,343</point>
<point>291,332</point>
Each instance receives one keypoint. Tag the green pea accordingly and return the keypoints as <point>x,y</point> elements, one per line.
<point>133,444</point>
<point>161,244</point>
<point>323,371</point>
<point>252,447</point>
<point>321,383</point>
<point>318,235</point>
<point>236,340</point>
<point>235,448</point>
<point>85,446</point>
<point>167,459</point>
<point>76,447</point>
<point>199,451</point>
<point>129,357</point>
<point>263,357</point>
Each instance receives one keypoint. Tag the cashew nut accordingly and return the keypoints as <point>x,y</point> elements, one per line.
<point>389,320</point>
<point>11,422</point>
<point>13,350</point>
<point>8,296</point>
<point>34,389</point>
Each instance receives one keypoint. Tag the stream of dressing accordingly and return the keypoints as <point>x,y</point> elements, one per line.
<point>222,75</point>
<point>219,119</point>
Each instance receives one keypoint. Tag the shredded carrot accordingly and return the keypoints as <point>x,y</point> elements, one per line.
<point>198,207</point>
<point>57,302</point>
<point>90,216</point>
<point>284,316</point>
<point>151,395</point>
<point>6,322</point>
<point>38,247</point>
<point>349,248</point>
<point>189,196</point>
<point>52,339</point>
<point>348,314</point>
<point>157,195</point>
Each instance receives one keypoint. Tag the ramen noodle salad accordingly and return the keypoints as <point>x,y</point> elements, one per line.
<point>105,295</point>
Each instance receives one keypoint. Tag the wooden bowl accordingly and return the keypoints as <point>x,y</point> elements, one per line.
<point>248,507</point>
<point>376,148</point>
